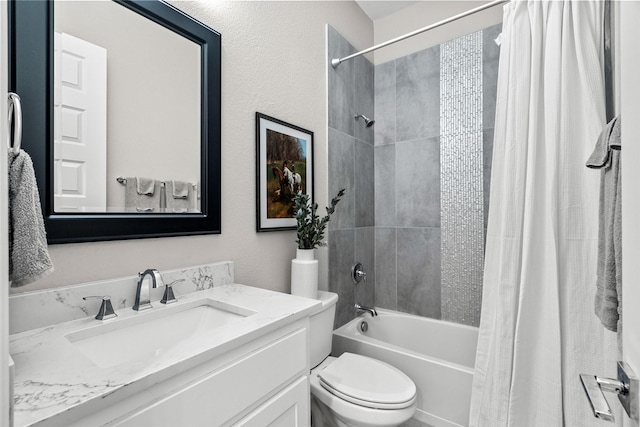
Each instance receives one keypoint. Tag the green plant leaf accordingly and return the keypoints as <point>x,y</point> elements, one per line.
<point>310,227</point>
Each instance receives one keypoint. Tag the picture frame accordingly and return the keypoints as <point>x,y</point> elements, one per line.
<point>284,166</point>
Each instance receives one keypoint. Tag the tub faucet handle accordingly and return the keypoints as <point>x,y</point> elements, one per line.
<point>106,309</point>
<point>357,273</point>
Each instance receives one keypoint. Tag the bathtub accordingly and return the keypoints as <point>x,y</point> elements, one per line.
<point>438,356</point>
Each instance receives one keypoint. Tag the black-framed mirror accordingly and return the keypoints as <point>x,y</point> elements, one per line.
<point>33,77</point>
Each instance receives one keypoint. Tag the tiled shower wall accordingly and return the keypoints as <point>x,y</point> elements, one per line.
<point>433,141</point>
<point>421,238</point>
<point>351,230</point>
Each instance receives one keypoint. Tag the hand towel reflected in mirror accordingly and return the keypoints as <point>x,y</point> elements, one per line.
<point>179,196</point>
<point>142,194</point>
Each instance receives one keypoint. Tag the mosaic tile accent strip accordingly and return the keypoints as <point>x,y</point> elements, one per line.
<point>461,166</point>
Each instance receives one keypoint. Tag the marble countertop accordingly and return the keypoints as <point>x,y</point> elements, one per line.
<point>52,377</point>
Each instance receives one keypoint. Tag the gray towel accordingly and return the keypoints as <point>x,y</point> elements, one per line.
<point>180,189</point>
<point>136,202</point>
<point>28,254</point>
<point>178,204</point>
<point>145,186</point>
<point>606,157</point>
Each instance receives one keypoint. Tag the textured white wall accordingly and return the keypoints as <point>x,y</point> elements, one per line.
<point>425,13</point>
<point>273,62</point>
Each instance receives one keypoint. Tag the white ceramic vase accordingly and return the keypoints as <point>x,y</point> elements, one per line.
<point>304,274</point>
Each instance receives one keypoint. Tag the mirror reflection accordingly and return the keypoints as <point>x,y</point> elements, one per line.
<point>127,112</point>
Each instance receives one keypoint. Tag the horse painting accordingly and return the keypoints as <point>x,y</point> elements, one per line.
<point>285,192</point>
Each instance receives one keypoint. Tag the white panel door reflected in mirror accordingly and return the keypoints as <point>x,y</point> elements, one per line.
<point>80,122</point>
<point>150,119</point>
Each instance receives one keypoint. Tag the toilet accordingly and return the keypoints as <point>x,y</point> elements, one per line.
<point>353,390</point>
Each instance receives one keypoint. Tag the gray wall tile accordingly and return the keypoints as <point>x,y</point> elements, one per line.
<point>341,258</point>
<point>385,103</point>
<point>386,287</point>
<point>385,185</point>
<point>418,183</point>
<point>364,185</point>
<point>490,60</point>
<point>342,175</point>
<point>487,156</point>
<point>489,47</point>
<point>365,254</point>
<point>419,276</point>
<point>418,95</point>
<point>363,83</point>
<point>351,166</point>
<point>341,92</point>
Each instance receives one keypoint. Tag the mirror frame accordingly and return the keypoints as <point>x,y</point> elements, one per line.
<point>31,77</point>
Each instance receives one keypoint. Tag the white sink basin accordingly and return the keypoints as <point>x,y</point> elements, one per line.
<point>149,334</point>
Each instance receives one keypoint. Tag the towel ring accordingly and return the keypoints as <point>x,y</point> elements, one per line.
<point>15,111</point>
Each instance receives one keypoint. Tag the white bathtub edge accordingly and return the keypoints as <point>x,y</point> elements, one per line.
<point>433,420</point>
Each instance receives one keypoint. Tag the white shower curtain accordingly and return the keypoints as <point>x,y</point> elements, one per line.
<point>538,330</point>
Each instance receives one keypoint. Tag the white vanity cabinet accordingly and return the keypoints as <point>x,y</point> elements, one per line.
<point>264,382</point>
<point>225,356</point>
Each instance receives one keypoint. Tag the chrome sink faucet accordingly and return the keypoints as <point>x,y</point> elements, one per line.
<point>372,311</point>
<point>142,301</point>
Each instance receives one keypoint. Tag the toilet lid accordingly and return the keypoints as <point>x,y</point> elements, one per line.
<point>368,382</point>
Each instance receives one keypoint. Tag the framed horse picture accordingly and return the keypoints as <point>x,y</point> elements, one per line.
<point>284,167</point>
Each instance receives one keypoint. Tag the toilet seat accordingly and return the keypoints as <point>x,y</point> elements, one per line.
<point>368,382</point>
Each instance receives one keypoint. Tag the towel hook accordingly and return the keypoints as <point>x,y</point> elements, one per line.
<point>15,111</point>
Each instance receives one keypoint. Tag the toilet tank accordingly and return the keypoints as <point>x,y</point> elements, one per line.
<point>321,328</point>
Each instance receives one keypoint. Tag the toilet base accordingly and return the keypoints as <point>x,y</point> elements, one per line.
<point>331,411</point>
<point>322,416</point>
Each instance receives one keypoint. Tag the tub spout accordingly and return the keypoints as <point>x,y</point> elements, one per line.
<point>372,311</point>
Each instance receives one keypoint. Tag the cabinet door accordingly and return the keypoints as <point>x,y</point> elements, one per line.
<point>220,396</point>
<point>288,408</point>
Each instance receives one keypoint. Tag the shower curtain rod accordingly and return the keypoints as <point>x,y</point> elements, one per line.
<point>336,61</point>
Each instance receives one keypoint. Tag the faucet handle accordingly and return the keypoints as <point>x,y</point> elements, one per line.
<point>357,273</point>
<point>169,297</point>
<point>106,309</point>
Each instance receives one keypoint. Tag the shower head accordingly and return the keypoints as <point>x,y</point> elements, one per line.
<point>367,121</point>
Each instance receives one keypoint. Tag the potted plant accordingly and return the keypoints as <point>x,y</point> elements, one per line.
<point>310,228</point>
<point>310,232</point>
